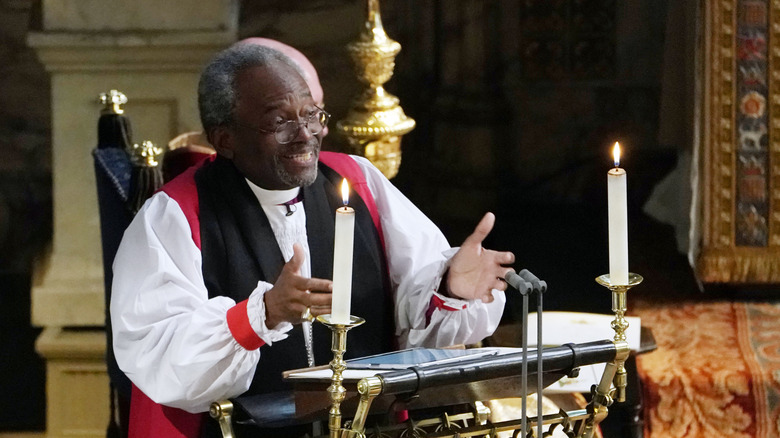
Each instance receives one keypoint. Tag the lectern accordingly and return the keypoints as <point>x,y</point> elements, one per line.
<point>419,388</point>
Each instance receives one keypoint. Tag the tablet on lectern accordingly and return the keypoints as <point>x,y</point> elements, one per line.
<point>416,356</point>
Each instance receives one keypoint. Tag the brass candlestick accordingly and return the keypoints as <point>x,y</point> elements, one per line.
<point>620,324</point>
<point>337,365</point>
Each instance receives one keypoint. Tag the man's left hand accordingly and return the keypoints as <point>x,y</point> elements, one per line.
<point>475,271</point>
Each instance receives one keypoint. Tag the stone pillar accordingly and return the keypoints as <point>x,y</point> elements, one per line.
<point>153,52</point>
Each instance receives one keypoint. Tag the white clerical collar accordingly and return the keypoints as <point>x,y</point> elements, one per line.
<point>273,197</point>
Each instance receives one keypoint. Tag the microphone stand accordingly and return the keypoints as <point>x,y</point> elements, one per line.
<point>523,287</point>
<point>539,386</point>
<point>539,287</point>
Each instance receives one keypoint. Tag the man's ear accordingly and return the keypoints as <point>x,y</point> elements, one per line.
<point>223,140</point>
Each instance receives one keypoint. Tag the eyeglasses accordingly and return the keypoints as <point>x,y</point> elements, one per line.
<point>288,130</point>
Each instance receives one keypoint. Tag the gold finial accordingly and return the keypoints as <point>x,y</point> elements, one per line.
<point>146,154</point>
<point>374,29</point>
<point>112,102</point>
<point>375,123</point>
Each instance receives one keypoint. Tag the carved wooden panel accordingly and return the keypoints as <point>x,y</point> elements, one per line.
<point>567,39</point>
<point>740,142</point>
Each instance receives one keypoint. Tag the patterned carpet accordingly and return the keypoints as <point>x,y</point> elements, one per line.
<point>716,372</point>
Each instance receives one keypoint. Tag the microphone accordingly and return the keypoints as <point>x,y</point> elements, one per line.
<point>517,282</point>
<point>524,287</point>
<point>538,285</point>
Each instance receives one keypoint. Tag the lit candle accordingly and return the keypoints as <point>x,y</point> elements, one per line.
<point>342,259</point>
<point>618,221</point>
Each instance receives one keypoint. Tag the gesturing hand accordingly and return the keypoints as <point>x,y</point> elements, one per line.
<point>288,298</point>
<point>475,271</point>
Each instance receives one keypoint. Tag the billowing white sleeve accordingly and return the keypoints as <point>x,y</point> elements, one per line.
<point>171,340</point>
<point>418,255</point>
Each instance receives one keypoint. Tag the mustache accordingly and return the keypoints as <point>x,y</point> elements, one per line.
<point>312,145</point>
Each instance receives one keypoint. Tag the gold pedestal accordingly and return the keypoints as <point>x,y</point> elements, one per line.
<point>620,324</point>
<point>337,365</point>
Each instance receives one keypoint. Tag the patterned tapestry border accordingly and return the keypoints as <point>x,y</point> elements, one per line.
<point>739,266</point>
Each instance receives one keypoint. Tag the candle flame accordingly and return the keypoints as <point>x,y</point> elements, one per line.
<point>616,154</point>
<point>345,191</point>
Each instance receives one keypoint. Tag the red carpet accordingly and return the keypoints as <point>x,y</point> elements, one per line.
<point>716,372</point>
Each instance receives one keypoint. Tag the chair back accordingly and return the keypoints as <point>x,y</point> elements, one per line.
<point>125,175</point>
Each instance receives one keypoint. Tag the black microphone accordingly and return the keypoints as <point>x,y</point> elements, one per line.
<point>517,282</point>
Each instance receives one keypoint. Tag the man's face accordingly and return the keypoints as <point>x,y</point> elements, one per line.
<point>267,97</point>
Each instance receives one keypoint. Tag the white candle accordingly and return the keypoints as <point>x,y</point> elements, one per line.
<point>342,259</point>
<point>618,221</point>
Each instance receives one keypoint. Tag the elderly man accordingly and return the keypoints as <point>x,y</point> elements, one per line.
<point>217,272</point>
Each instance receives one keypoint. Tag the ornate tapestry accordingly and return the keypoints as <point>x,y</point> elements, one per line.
<point>739,117</point>
<point>716,372</point>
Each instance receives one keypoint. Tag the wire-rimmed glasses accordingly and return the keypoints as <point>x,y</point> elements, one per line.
<point>288,130</point>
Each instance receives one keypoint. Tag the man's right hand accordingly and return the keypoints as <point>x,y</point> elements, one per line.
<point>289,297</point>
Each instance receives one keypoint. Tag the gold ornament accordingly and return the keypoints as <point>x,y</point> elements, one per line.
<point>376,122</point>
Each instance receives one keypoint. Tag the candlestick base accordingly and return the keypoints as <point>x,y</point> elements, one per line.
<point>620,324</point>
<point>337,365</point>
<point>327,320</point>
<point>633,280</point>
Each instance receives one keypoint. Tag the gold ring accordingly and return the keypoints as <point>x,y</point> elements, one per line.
<point>306,315</point>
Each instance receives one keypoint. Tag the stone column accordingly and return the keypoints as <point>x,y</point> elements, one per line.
<point>153,52</point>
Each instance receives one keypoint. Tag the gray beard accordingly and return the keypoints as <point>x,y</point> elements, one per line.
<point>303,180</point>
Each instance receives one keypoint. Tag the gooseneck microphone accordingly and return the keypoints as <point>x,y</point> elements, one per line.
<point>524,288</point>
<point>517,282</point>
<point>538,285</point>
<point>525,282</point>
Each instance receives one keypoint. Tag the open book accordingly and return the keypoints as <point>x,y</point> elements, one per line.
<point>560,328</point>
